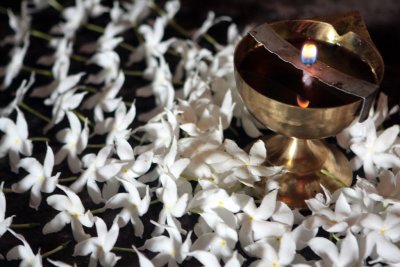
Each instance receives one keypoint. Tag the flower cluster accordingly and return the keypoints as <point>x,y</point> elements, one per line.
<point>174,158</point>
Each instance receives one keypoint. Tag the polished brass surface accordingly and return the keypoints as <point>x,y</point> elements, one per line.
<point>308,162</point>
<point>290,120</point>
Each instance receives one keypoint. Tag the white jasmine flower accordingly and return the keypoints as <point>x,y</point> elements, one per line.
<point>65,102</point>
<point>208,259</point>
<point>13,68</point>
<point>74,17</point>
<point>15,139</point>
<point>19,24</point>
<point>136,12</point>
<point>210,21</point>
<point>71,211</point>
<point>152,48</point>
<point>39,178</point>
<point>59,86</point>
<point>280,253</point>
<point>357,132</point>
<point>336,221</point>
<point>134,167</point>
<point>348,254</point>
<point>60,58</point>
<point>109,62</point>
<point>170,249</point>
<point>382,232</point>
<point>254,224</point>
<point>193,60</point>
<point>117,126</point>
<point>94,8</point>
<point>97,168</point>
<point>75,139</point>
<point>160,132</point>
<point>105,100</point>
<point>100,247</point>
<point>4,222</point>
<point>19,97</point>
<point>388,188</point>
<point>221,242</point>
<point>374,153</point>
<point>162,89</point>
<point>24,253</point>
<point>143,260</point>
<point>133,207</point>
<point>246,168</point>
<point>207,200</point>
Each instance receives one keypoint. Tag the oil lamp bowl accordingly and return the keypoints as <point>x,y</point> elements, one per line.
<point>308,161</point>
<point>291,120</point>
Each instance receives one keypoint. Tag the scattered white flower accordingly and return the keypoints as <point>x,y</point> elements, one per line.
<point>71,211</point>
<point>374,154</point>
<point>100,247</point>
<point>75,139</point>
<point>13,68</point>
<point>4,222</point>
<point>109,62</point>
<point>15,139</point>
<point>133,207</point>
<point>170,249</point>
<point>19,97</point>
<point>117,127</point>
<point>348,254</point>
<point>97,168</point>
<point>19,24</point>
<point>39,179</point>
<point>24,253</point>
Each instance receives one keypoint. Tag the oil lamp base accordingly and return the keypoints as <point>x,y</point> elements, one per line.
<point>309,164</point>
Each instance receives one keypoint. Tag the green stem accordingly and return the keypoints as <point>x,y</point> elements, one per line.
<point>87,88</point>
<point>41,35</point>
<point>55,250</point>
<point>137,138</point>
<point>234,131</point>
<point>7,190</point>
<point>39,139</point>
<point>97,211</point>
<point>131,250</point>
<point>333,236</point>
<point>67,179</point>
<point>135,73</point>
<point>155,201</point>
<point>34,112</point>
<point>56,5</point>
<point>96,145</point>
<point>189,177</point>
<point>94,27</point>
<point>83,118</point>
<point>37,71</point>
<point>79,58</point>
<point>127,46</point>
<point>330,175</point>
<point>196,211</point>
<point>24,225</point>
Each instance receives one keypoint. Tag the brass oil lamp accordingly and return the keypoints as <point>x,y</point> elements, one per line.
<point>304,102</point>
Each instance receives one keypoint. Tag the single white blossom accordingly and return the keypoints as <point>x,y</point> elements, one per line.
<point>18,98</point>
<point>24,253</point>
<point>15,139</point>
<point>39,179</point>
<point>99,247</point>
<point>4,222</point>
<point>75,139</point>
<point>109,62</point>
<point>19,24</point>
<point>71,211</point>
<point>374,154</point>
<point>133,207</point>
<point>346,255</point>
<point>117,127</point>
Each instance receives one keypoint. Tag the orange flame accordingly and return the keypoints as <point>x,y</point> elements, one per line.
<point>309,53</point>
<point>302,102</point>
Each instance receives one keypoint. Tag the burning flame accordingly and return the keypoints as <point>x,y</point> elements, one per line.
<point>302,102</point>
<point>309,53</point>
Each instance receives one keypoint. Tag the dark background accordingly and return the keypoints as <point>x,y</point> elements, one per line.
<point>382,19</point>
